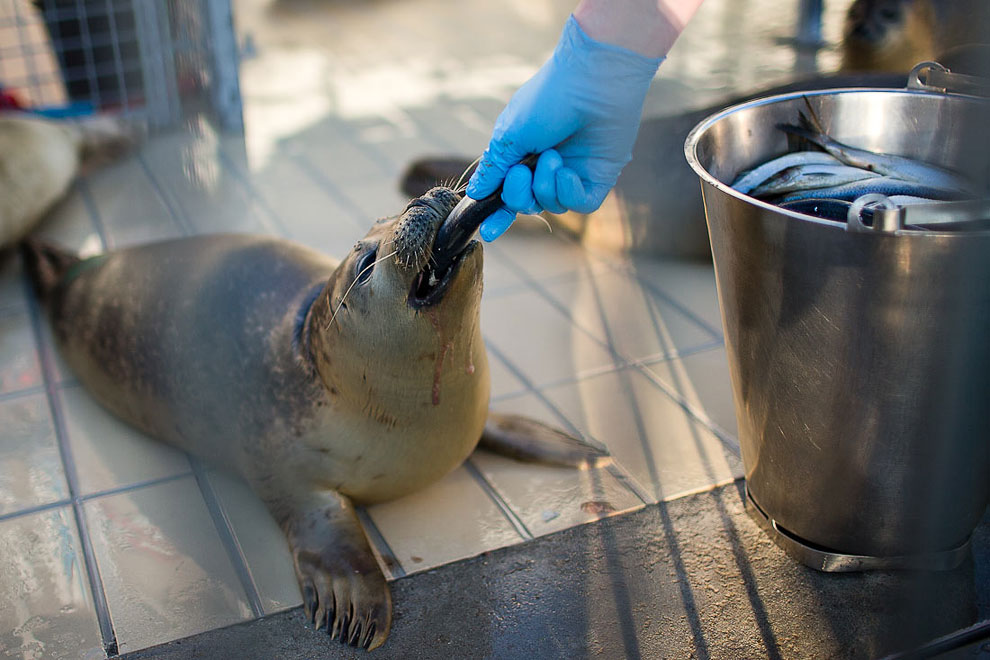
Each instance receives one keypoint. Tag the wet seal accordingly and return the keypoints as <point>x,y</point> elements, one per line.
<point>325,385</point>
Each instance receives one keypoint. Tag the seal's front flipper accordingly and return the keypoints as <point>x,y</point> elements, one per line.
<point>343,588</point>
<point>526,439</point>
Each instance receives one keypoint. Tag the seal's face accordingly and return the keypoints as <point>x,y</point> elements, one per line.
<point>414,323</point>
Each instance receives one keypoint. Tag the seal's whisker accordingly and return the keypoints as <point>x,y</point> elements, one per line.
<point>546,222</point>
<point>464,173</point>
<point>356,278</point>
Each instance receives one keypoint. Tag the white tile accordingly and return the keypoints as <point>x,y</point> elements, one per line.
<point>702,381</point>
<point>649,435</point>
<point>69,224</point>
<point>400,144</point>
<point>504,382</point>
<point>47,610</point>
<point>540,255</point>
<point>11,282</point>
<point>452,519</point>
<point>690,284</point>
<point>187,169</point>
<point>107,452</point>
<point>62,371</point>
<point>262,542</point>
<point>455,130</point>
<point>375,199</point>
<point>621,312</point>
<point>309,214</point>
<point>500,276</point>
<point>164,570</point>
<point>548,498</point>
<point>19,365</point>
<point>129,207</point>
<point>538,339</point>
<point>30,465</point>
<point>337,157</point>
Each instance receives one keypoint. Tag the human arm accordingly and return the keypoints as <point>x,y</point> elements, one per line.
<point>580,111</point>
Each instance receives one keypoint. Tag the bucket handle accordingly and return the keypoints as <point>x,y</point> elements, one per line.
<point>891,218</point>
<point>933,77</point>
<point>888,217</point>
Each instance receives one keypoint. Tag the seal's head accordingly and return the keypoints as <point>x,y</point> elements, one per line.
<point>417,329</point>
<point>888,35</point>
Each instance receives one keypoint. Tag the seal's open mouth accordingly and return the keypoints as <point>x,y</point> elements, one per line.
<point>430,284</point>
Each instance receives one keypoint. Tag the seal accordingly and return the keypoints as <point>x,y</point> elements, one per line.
<point>325,385</point>
<point>40,158</point>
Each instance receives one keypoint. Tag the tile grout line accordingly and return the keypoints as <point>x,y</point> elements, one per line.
<point>118,490</point>
<point>377,539</point>
<point>315,174</point>
<point>82,185</point>
<point>225,530</point>
<point>178,217</point>
<point>220,520</point>
<point>96,495</point>
<point>245,181</point>
<point>667,298</point>
<point>618,364</point>
<point>621,362</point>
<point>107,633</point>
<point>39,508</point>
<point>638,366</point>
<point>14,395</point>
<point>499,501</point>
<point>627,480</point>
<point>629,269</point>
<point>731,443</point>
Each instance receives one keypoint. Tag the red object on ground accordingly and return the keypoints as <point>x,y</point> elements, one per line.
<point>8,101</point>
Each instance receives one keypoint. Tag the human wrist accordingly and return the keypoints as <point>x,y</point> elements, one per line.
<point>647,27</point>
<point>603,63</point>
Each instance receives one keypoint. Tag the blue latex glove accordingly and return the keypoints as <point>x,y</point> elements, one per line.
<point>581,112</point>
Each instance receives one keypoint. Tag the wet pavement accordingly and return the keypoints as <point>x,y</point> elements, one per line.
<point>692,578</point>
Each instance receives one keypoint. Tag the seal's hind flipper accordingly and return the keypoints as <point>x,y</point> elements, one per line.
<point>526,439</point>
<point>46,265</point>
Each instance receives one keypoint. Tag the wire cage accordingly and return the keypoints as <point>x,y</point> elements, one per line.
<point>159,60</point>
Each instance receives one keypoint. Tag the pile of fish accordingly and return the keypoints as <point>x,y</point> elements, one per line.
<point>812,181</point>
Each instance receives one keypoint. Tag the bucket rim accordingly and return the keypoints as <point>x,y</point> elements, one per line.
<point>694,137</point>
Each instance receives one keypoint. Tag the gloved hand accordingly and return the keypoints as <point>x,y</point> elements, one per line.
<point>581,112</point>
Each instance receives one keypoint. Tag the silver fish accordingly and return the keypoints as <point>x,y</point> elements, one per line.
<point>807,177</point>
<point>884,185</point>
<point>750,179</point>
<point>888,165</point>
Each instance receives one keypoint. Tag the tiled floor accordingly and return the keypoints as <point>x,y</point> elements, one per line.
<point>109,540</point>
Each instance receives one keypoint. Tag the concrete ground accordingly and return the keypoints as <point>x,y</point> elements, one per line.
<point>691,578</point>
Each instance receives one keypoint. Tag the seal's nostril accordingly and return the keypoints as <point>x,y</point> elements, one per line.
<point>413,236</point>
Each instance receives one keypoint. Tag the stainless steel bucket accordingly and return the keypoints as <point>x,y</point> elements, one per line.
<point>860,361</point>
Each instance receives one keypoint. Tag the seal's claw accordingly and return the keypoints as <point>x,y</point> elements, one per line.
<point>344,591</point>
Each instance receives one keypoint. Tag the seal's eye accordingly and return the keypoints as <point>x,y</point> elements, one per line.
<point>364,265</point>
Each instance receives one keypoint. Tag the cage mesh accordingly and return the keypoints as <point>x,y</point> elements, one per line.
<point>158,59</point>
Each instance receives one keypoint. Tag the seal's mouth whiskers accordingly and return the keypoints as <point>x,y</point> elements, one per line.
<point>430,284</point>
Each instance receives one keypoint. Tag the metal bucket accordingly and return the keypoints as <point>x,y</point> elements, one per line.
<point>860,360</point>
